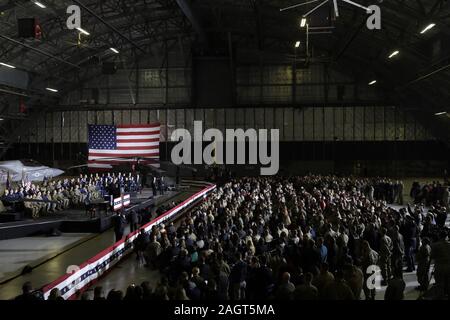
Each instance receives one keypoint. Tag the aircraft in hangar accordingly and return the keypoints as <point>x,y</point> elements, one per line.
<point>28,170</point>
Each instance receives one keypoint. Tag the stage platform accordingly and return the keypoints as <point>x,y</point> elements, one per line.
<point>76,220</point>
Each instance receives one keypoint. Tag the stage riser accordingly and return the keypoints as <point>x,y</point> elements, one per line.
<point>11,217</point>
<point>97,225</point>
<point>89,226</point>
<point>29,230</point>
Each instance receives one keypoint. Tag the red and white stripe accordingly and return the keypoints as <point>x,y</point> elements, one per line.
<point>140,140</point>
<point>120,202</point>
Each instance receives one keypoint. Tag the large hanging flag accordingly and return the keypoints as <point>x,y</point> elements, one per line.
<point>109,145</point>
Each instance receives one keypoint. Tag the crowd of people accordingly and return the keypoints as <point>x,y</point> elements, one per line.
<point>433,193</point>
<point>58,194</point>
<point>303,237</point>
<point>137,218</point>
<point>298,238</point>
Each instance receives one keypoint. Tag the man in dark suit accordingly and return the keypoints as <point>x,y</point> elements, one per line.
<point>237,278</point>
<point>134,220</point>
<point>154,185</point>
<point>119,226</point>
<point>161,185</point>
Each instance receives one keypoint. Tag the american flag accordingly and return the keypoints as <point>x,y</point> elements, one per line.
<point>110,145</point>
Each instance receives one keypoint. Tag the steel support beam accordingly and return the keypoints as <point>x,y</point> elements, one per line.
<point>107,24</point>
<point>39,51</point>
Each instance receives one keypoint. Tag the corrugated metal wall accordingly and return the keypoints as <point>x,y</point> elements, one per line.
<point>255,85</point>
<point>267,97</point>
<point>363,123</point>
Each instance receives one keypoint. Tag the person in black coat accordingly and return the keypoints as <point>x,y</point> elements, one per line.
<point>134,220</point>
<point>27,293</point>
<point>140,245</point>
<point>154,191</point>
<point>119,226</point>
<point>237,278</point>
<point>161,185</point>
<point>410,239</point>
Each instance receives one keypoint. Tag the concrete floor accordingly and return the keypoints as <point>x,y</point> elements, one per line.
<point>15,254</point>
<point>56,267</point>
<point>125,273</point>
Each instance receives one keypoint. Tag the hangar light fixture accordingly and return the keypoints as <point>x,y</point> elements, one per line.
<point>51,89</point>
<point>335,5</point>
<point>83,31</point>
<point>393,54</point>
<point>39,4</point>
<point>7,65</point>
<point>371,83</point>
<point>297,44</point>
<point>440,113</point>
<point>428,27</point>
<point>303,22</point>
<point>114,50</point>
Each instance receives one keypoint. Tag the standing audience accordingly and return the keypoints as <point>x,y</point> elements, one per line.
<point>297,238</point>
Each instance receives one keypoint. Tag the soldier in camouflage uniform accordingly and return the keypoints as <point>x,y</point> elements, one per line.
<point>423,265</point>
<point>440,253</point>
<point>369,258</point>
<point>386,247</point>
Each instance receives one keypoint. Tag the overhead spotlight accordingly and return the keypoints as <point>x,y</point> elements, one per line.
<point>1,119</point>
<point>39,4</point>
<point>51,89</point>
<point>7,65</point>
<point>297,44</point>
<point>303,22</point>
<point>83,31</point>
<point>428,27</point>
<point>440,113</point>
<point>371,83</point>
<point>393,54</point>
<point>114,50</point>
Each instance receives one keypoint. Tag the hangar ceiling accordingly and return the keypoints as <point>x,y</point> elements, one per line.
<point>418,78</point>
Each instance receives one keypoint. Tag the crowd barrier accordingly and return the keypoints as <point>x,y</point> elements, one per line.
<point>89,271</point>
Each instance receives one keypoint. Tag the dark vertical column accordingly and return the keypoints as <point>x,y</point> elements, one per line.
<point>78,132</point>
<point>314,124</point>
<point>137,85</point>
<point>53,138</point>
<point>261,78</point>
<point>364,123</point>
<point>70,136</point>
<point>167,131</point>
<point>303,123</point>
<point>354,123</point>
<point>404,125</point>
<point>233,75</point>
<point>61,133</point>
<point>293,124</point>
<point>294,80</point>
<point>166,52</point>
<point>37,135</point>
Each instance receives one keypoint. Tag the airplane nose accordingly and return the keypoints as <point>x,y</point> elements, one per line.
<point>57,172</point>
